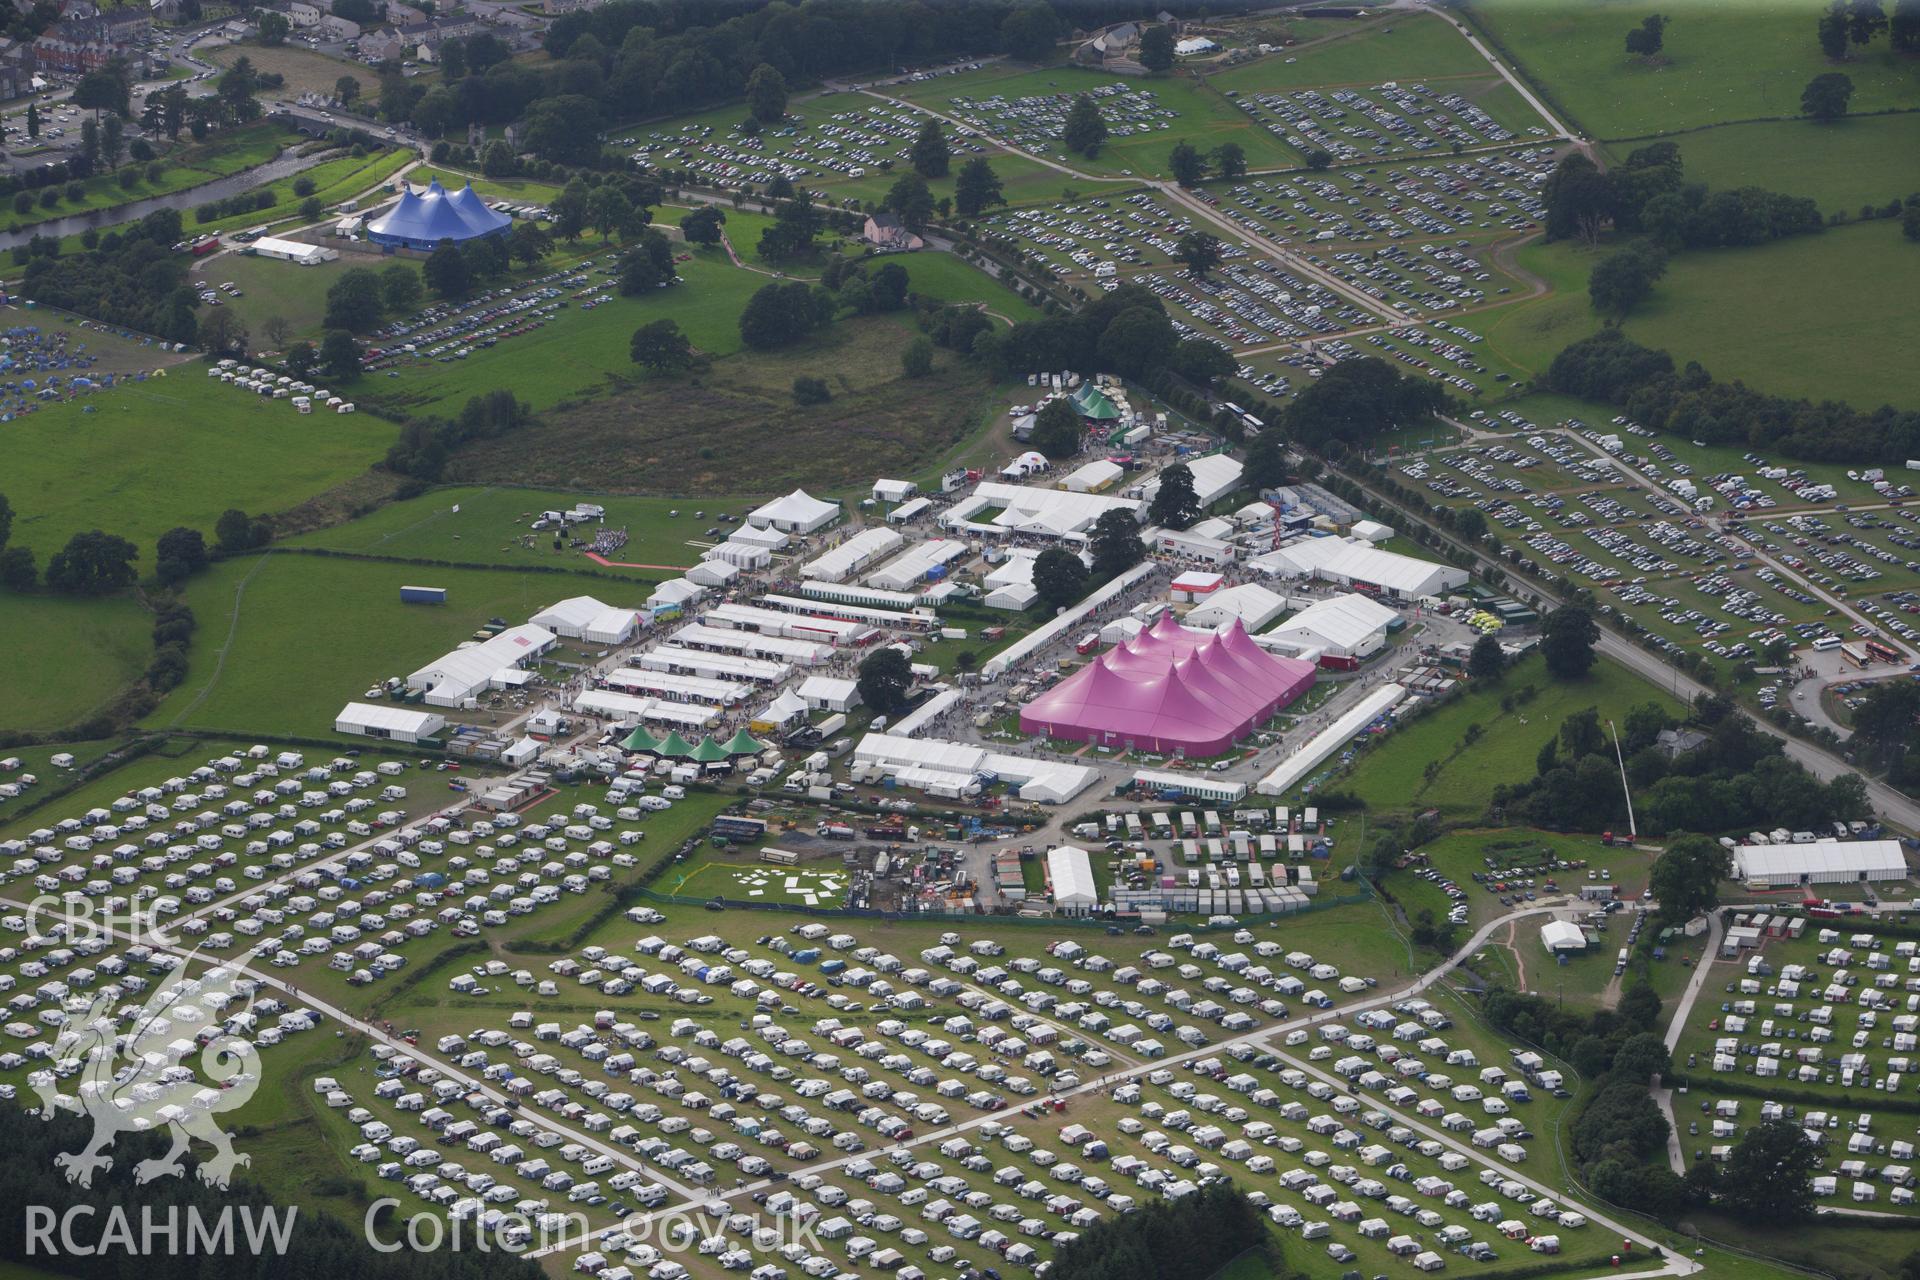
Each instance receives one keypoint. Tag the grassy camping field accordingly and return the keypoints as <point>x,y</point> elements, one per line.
<point>1857,161</point>
<point>1724,60</point>
<point>1392,776</point>
<point>68,656</point>
<point>142,458</point>
<point>1845,282</point>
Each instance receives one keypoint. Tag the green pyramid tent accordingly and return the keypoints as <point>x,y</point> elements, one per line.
<point>744,744</point>
<point>1093,403</point>
<point>640,740</point>
<point>709,752</point>
<point>675,747</point>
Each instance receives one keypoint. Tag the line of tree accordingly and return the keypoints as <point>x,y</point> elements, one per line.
<point>1186,1239</point>
<point>1356,401</point>
<point>1612,368</point>
<point>132,279</point>
<point>425,443</point>
<point>1650,194</point>
<point>634,58</point>
<point>1845,26</point>
<point>1737,778</point>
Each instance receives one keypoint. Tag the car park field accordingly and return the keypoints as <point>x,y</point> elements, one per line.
<point>1023,109</point>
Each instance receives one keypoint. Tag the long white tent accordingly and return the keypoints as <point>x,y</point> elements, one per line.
<point>714,666</point>
<point>463,673</point>
<point>1351,563</point>
<point>670,684</point>
<point>400,724</point>
<point>1821,862</point>
<point>798,512</point>
<point>1329,740</point>
<point>801,653</point>
<point>1074,891</point>
<point>627,708</point>
<point>952,767</point>
<point>838,563</point>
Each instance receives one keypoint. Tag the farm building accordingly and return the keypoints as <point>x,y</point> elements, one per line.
<point>799,512</point>
<point>1346,626</point>
<point>1072,877</point>
<point>1171,689</point>
<point>1360,564</point>
<point>294,251</point>
<point>493,664</point>
<point>400,724</point>
<point>1562,935</point>
<point>585,618</point>
<point>1833,862</point>
<point>427,219</point>
<point>1252,604</point>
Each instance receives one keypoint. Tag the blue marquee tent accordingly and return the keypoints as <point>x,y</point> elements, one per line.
<point>425,220</point>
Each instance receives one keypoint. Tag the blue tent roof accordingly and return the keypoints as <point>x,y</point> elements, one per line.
<point>436,214</point>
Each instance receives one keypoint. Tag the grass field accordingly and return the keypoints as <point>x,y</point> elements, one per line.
<point>714,433</point>
<point>189,166</point>
<point>1845,282</point>
<point>171,451</point>
<point>944,276</point>
<point>272,287</point>
<point>578,351</point>
<point>304,635</point>
<point>68,656</point>
<point>488,526</point>
<point>1392,775</point>
<point>306,70</point>
<point>1862,160</point>
<point>1724,60</point>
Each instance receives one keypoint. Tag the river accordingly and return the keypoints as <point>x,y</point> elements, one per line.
<point>284,165</point>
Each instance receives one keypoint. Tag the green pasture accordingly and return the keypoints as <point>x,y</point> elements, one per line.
<point>141,458</point>
<point>286,640</point>
<point>1724,60</point>
<point>1858,161</point>
<point>1421,47</point>
<point>1392,775</point>
<point>68,656</point>
<point>1834,306</point>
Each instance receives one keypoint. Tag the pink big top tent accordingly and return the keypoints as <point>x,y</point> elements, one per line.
<point>1171,689</point>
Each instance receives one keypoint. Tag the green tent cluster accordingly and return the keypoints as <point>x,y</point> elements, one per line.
<point>675,747</point>
<point>1091,402</point>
